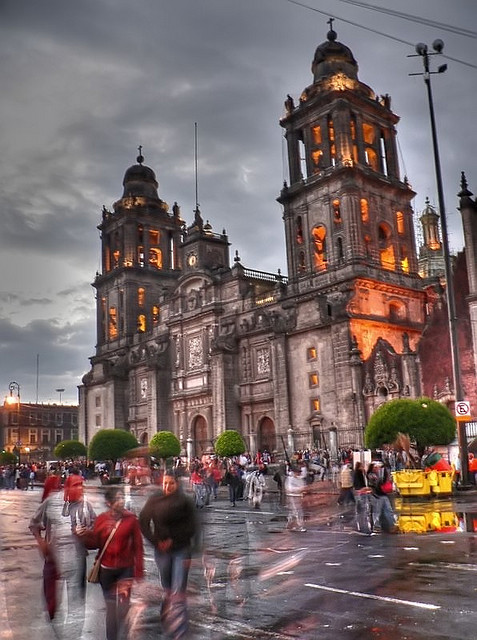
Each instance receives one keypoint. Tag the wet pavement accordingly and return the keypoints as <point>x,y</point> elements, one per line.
<point>255,579</point>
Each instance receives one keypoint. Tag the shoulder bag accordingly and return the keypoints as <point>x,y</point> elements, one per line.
<point>93,575</point>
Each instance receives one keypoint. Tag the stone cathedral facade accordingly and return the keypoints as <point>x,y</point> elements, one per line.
<point>188,342</point>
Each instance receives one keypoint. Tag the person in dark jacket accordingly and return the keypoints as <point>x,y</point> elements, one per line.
<point>168,521</point>
<point>383,515</point>
<point>234,481</point>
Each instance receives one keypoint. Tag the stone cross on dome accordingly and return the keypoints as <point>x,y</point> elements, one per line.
<point>332,35</point>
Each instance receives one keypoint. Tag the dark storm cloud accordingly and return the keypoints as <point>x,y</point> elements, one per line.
<point>61,356</point>
<point>83,84</point>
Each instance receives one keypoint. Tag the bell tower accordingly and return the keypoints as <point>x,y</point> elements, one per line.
<point>140,253</point>
<point>347,212</point>
<point>345,205</point>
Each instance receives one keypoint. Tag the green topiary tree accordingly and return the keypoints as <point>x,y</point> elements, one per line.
<point>111,444</point>
<point>229,443</point>
<point>70,449</point>
<point>163,445</point>
<point>7,458</point>
<point>426,421</point>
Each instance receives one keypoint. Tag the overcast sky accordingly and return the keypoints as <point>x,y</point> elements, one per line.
<point>82,84</point>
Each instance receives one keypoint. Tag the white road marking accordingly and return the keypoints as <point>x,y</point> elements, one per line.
<point>371,596</point>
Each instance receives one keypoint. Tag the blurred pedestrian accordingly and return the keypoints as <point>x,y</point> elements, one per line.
<point>234,482</point>
<point>122,561</point>
<point>73,487</point>
<point>294,489</point>
<point>383,515</point>
<point>168,521</point>
<point>346,495</point>
<point>64,559</point>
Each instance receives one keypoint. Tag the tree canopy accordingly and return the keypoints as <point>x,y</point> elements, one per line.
<point>7,458</point>
<point>164,444</point>
<point>70,449</point>
<point>426,421</point>
<point>111,444</point>
<point>229,443</point>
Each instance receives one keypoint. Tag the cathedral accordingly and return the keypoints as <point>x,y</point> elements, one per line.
<point>191,343</point>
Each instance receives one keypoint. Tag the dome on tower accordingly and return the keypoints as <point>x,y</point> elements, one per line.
<point>333,57</point>
<point>140,181</point>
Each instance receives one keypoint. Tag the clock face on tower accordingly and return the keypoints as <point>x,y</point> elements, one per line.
<point>192,259</point>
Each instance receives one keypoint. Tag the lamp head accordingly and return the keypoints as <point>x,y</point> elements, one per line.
<point>421,48</point>
<point>438,45</point>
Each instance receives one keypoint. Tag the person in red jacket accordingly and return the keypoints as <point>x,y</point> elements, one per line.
<point>73,489</point>
<point>122,561</point>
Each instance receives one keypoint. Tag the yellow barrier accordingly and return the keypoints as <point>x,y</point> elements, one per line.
<point>412,482</point>
<point>444,482</point>
<point>415,482</point>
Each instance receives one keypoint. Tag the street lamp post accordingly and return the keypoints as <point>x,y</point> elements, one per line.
<point>12,401</point>
<point>423,52</point>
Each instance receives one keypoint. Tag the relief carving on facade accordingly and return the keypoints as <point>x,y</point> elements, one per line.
<point>383,372</point>
<point>196,352</point>
<point>263,362</point>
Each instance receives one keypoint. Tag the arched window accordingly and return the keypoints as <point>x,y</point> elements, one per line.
<point>372,158</point>
<point>299,230</point>
<point>113,323</point>
<point>141,296</point>
<point>155,258</point>
<point>364,210</point>
<point>404,260</point>
<point>386,249</point>
<point>336,211</point>
<point>316,133</point>
<point>367,246</point>
<point>154,236</point>
<point>156,314</point>
<point>354,139</point>
<point>400,222</point>
<point>319,242</point>
<point>370,153</point>
<point>141,323</point>
<point>316,157</point>
<point>301,261</point>
<point>331,138</point>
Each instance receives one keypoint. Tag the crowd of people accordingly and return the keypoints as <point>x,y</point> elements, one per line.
<point>66,526</point>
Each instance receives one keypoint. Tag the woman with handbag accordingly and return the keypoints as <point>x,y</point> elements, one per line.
<point>117,535</point>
